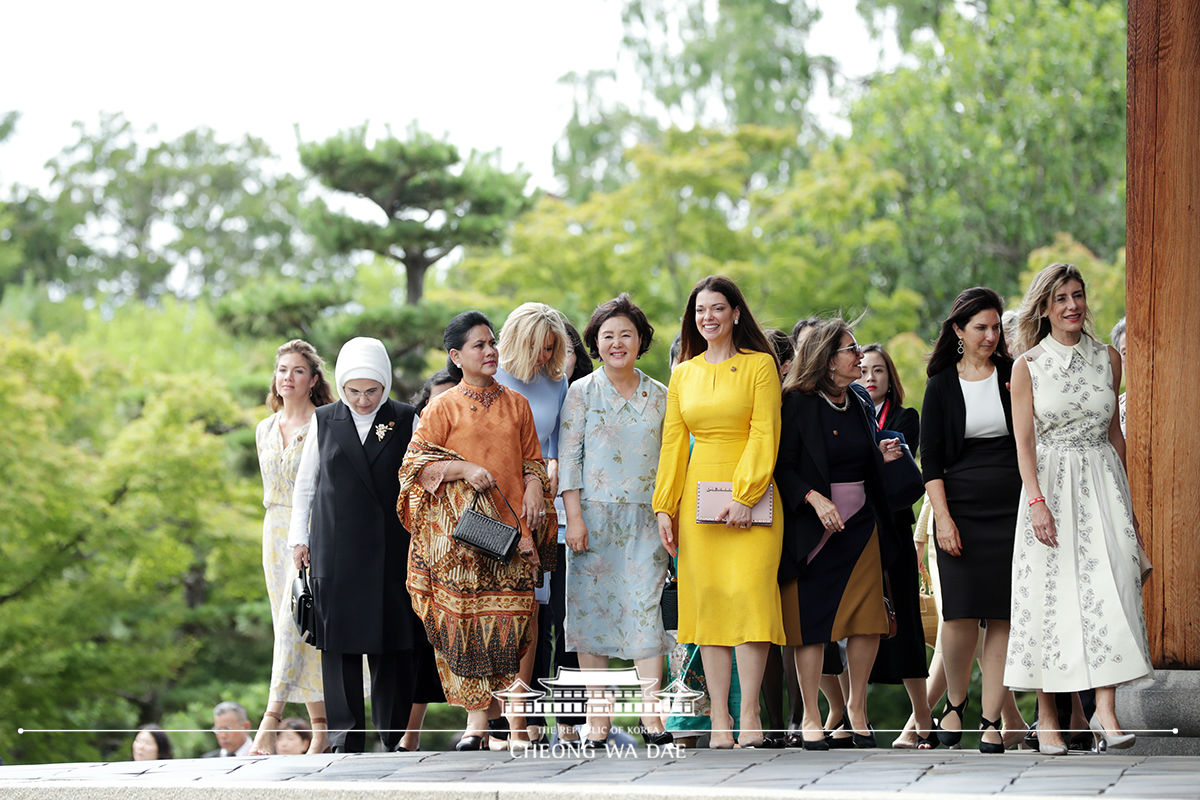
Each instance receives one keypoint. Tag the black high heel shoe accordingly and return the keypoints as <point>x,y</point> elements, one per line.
<point>498,728</point>
<point>835,742</point>
<point>952,738</point>
<point>469,743</point>
<point>661,738</point>
<point>990,747</point>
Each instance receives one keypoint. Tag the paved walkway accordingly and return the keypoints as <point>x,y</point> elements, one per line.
<point>628,775</point>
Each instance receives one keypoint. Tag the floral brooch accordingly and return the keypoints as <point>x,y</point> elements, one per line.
<point>381,430</point>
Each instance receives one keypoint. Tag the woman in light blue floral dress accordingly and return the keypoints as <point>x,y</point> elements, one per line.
<point>608,456</point>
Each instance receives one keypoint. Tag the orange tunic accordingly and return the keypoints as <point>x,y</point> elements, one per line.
<point>475,609</point>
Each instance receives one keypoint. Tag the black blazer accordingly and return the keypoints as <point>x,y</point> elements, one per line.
<point>358,548</point>
<point>803,464</point>
<point>944,417</point>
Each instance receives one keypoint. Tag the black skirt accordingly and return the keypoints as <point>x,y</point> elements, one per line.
<point>983,491</point>
<point>903,656</point>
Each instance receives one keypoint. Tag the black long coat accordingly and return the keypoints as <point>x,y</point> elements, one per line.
<point>803,464</point>
<point>358,548</point>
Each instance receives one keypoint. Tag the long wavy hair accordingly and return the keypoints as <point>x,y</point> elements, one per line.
<point>809,372</point>
<point>747,335</point>
<point>321,393</point>
<point>1033,324</point>
<point>968,303</point>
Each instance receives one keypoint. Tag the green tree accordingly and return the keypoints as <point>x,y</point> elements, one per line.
<point>190,216</point>
<point>1006,131</point>
<point>733,62</point>
<point>430,201</point>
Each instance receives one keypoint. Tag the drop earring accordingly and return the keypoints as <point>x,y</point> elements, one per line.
<point>960,347</point>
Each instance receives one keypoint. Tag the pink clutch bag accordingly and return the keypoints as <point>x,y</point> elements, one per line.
<point>713,496</point>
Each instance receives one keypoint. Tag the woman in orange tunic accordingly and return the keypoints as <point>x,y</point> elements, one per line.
<point>475,440</point>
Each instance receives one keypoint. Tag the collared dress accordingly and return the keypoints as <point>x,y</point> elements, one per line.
<point>1077,616</point>
<point>608,450</point>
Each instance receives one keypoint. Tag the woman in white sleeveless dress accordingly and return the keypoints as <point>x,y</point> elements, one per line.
<point>1077,617</point>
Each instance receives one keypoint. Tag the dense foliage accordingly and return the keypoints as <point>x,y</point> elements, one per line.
<point>142,295</point>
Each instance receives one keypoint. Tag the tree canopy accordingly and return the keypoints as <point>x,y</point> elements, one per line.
<point>430,200</point>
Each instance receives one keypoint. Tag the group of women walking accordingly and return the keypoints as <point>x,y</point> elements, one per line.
<point>776,497</point>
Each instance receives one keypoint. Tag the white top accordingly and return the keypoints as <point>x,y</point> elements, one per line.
<point>985,414</point>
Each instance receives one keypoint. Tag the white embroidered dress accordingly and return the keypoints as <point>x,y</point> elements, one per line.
<point>1077,617</point>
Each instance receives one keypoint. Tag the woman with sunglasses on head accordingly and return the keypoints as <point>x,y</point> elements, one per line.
<point>969,462</point>
<point>1077,616</point>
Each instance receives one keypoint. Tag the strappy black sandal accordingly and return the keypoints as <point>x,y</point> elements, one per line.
<point>952,738</point>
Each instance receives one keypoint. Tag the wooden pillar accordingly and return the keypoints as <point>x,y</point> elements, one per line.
<point>1163,311</point>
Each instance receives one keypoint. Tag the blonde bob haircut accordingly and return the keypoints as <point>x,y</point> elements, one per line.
<point>524,335</point>
<point>1033,323</point>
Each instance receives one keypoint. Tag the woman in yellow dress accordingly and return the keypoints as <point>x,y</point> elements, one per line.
<point>725,392</point>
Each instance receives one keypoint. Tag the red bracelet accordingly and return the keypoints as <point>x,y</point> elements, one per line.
<point>808,494</point>
<point>1036,500</point>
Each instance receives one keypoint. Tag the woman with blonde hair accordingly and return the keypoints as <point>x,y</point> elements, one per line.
<point>533,349</point>
<point>725,392</point>
<point>1075,571</point>
<point>298,387</point>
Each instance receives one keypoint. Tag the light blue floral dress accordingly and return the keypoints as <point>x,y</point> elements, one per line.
<point>608,450</point>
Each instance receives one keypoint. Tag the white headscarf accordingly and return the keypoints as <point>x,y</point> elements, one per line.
<point>363,357</point>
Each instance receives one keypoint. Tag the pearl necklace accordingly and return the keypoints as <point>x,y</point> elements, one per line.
<point>845,403</point>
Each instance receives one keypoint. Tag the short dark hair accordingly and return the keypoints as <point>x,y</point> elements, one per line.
<point>583,364</point>
<point>455,336</point>
<point>619,306</point>
<point>784,349</point>
<point>421,398</point>
<point>301,728</point>
<point>161,740</point>
<point>801,325</point>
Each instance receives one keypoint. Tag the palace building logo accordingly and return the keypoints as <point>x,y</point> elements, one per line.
<point>601,692</point>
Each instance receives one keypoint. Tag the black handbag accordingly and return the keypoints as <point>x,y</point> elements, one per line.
<point>902,480</point>
<point>303,610</point>
<point>670,600</point>
<point>489,536</point>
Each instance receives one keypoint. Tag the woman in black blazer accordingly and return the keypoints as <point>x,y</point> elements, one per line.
<point>901,659</point>
<point>838,532</point>
<point>969,461</point>
<point>357,551</point>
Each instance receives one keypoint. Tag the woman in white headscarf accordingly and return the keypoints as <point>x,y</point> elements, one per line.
<point>357,551</point>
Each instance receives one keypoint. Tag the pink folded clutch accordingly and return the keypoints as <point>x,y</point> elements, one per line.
<point>713,496</point>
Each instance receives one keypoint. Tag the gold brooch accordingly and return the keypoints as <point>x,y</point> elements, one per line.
<point>381,430</point>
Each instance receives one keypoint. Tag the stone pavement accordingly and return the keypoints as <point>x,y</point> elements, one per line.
<point>628,775</point>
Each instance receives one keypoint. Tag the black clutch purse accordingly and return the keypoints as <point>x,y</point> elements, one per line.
<point>489,536</point>
<point>902,481</point>
<point>303,611</point>
<point>670,600</point>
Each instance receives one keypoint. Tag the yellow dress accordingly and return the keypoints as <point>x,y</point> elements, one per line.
<point>728,591</point>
